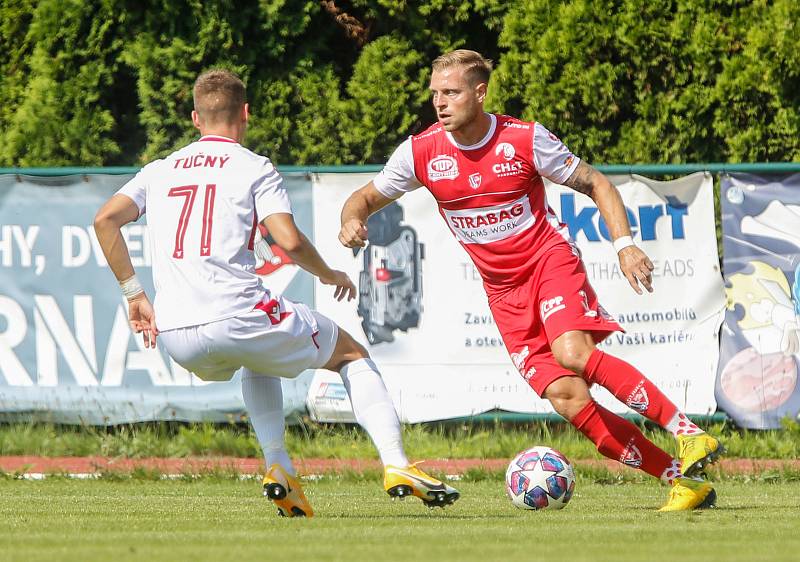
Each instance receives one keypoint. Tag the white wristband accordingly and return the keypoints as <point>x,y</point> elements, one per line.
<point>622,242</point>
<point>131,287</point>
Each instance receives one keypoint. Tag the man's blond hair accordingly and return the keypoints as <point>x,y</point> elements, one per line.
<point>477,68</point>
<point>219,96</point>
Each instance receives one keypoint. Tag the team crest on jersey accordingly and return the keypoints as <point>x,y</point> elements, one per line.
<point>475,180</point>
<point>506,149</point>
<point>443,167</point>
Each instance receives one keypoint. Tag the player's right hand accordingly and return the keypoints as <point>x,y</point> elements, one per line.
<point>353,234</point>
<point>344,285</point>
<point>142,319</point>
<point>637,268</point>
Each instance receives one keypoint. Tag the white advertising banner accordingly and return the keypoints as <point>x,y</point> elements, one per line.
<point>423,315</point>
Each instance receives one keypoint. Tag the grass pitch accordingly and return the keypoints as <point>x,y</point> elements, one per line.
<point>226,519</point>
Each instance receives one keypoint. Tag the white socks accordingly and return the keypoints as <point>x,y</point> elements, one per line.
<point>672,472</point>
<point>679,424</point>
<point>263,398</point>
<point>372,407</point>
<point>374,410</point>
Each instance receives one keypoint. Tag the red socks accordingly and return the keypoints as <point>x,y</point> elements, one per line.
<point>619,439</point>
<point>630,387</point>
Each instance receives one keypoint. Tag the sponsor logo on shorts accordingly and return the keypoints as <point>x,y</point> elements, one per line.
<point>506,149</point>
<point>586,310</point>
<point>518,358</point>
<point>604,314</point>
<point>551,306</point>
<point>637,399</point>
<point>631,455</point>
<point>273,311</point>
<point>475,180</point>
<point>490,224</point>
<point>529,374</point>
<point>443,167</point>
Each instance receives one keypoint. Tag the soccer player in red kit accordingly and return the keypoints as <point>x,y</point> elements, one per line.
<point>213,313</point>
<point>485,172</point>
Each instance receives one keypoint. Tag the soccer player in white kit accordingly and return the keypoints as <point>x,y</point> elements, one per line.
<point>211,311</point>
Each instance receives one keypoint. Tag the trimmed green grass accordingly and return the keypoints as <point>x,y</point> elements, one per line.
<point>309,440</point>
<point>225,519</point>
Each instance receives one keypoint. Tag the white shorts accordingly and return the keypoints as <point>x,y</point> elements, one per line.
<point>279,338</point>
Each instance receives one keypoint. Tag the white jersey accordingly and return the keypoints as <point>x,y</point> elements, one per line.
<point>203,204</point>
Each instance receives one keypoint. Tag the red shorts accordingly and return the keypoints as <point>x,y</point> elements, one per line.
<point>557,298</point>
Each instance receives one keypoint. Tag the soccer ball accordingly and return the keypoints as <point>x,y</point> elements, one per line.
<point>540,478</point>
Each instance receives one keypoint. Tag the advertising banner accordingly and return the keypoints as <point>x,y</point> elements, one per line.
<point>760,347</point>
<point>66,351</point>
<point>424,317</point>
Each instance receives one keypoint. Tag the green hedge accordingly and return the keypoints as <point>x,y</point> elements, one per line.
<point>108,82</point>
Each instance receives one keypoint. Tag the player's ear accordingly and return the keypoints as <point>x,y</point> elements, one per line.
<point>196,119</point>
<point>480,91</point>
<point>246,112</point>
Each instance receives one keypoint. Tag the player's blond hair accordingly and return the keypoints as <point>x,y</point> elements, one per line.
<point>218,96</point>
<point>477,68</point>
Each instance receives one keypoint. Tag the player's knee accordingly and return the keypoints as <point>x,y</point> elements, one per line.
<point>347,350</point>
<point>573,358</point>
<point>568,396</point>
<point>568,406</point>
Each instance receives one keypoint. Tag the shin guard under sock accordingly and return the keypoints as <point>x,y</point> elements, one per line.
<point>619,439</point>
<point>630,387</point>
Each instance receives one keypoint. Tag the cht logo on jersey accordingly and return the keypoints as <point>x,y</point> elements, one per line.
<point>506,149</point>
<point>443,167</point>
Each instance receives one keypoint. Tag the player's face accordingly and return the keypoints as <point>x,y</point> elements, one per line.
<point>457,102</point>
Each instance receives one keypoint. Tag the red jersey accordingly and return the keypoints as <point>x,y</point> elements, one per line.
<point>490,194</point>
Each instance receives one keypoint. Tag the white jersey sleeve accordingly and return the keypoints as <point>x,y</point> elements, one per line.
<point>398,177</point>
<point>552,158</point>
<point>136,189</point>
<point>269,194</point>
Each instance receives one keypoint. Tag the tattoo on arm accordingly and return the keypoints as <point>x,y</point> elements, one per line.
<point>582,179</point>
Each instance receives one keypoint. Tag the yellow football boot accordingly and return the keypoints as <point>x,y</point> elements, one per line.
<point>411,481</point>
<point>696,451</point>
<point>287,494</point>
<point>689,494</point>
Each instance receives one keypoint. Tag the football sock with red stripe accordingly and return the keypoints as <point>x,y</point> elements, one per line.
<point>636,391</point>
<point>619,439</point>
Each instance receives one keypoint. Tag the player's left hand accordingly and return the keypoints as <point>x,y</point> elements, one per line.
<point>344,286</point>
<point>637,268</point>
<point>142,319</point>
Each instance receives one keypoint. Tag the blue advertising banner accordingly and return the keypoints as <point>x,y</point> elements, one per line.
<point>760,345</point>
<point>66,351</point>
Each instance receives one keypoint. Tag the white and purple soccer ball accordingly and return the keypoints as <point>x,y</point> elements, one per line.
<point>540,478</point>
